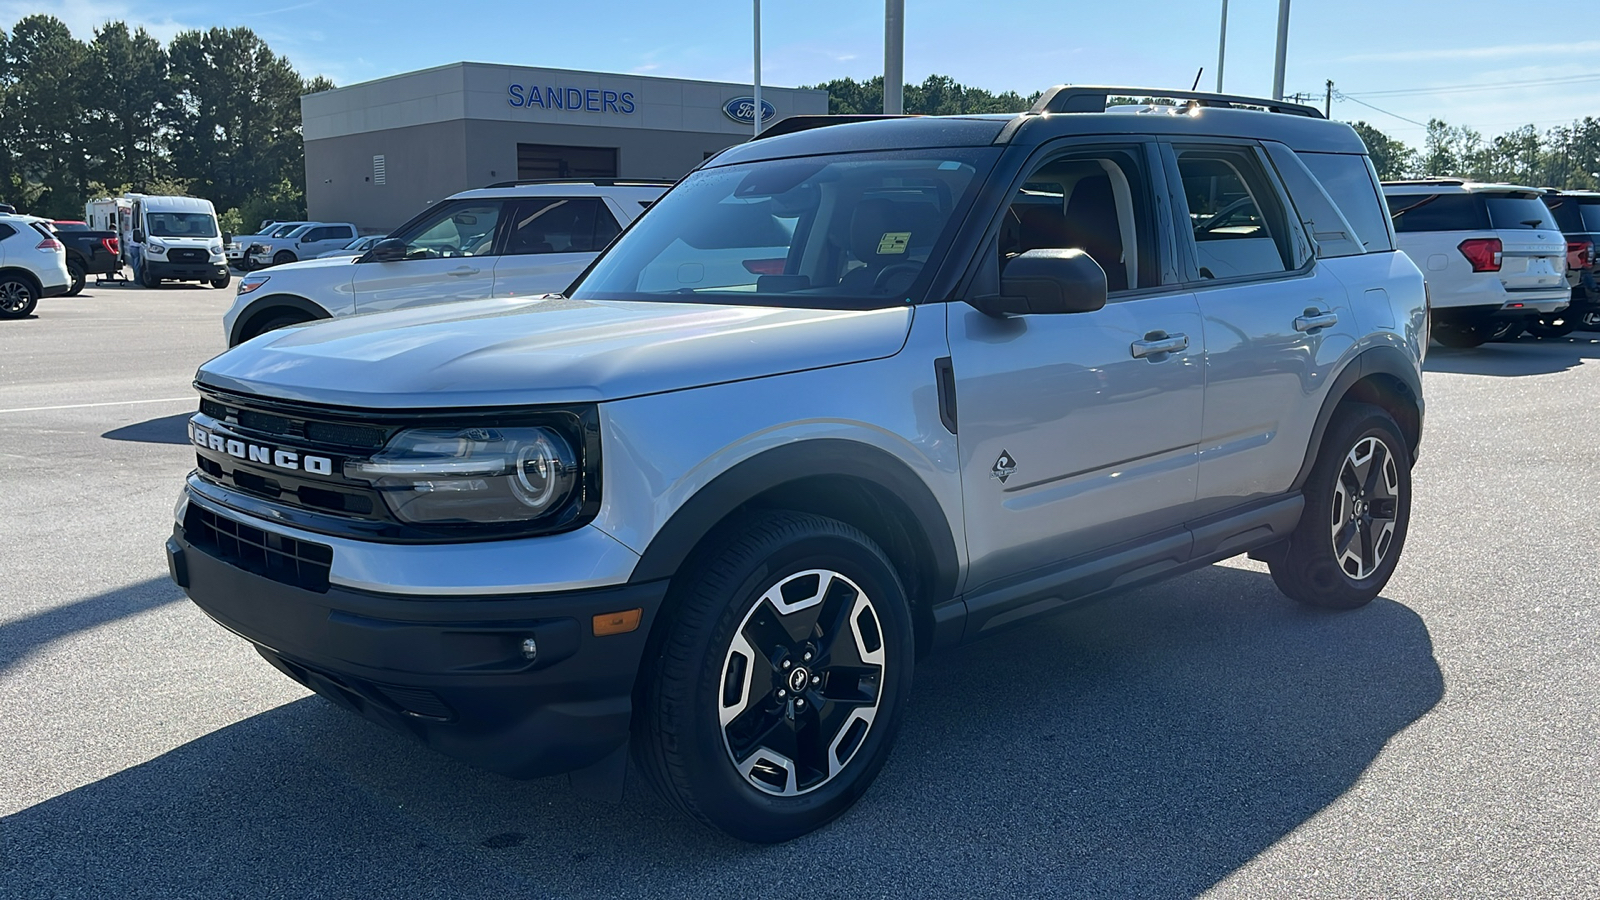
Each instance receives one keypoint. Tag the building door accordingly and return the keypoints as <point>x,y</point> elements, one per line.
<point>540,161</point>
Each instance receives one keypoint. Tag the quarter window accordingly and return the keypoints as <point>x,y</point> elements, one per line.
<point>1235,217</point>
<point>1348,179</point>
<point>6,231</point>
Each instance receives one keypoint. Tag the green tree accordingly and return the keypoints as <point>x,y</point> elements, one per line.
<point>1392,158</point>
<point>132,97</point>
<point>937,95</point>
<point>45,116</point>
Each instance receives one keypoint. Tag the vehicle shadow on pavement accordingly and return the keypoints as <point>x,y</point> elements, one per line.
<point>23,636</point>
<point>1146,746</point>
<point>1525,356</point>
<point>165,430</point>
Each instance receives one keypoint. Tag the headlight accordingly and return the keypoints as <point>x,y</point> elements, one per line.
<point>250,283</point>
<point>155,247</point>
<point>216,248</point>
<point>472,475</point>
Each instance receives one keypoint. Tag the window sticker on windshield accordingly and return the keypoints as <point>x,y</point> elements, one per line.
<point>893,242</point>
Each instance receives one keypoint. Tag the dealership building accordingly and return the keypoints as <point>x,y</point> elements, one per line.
<point>379,152</point>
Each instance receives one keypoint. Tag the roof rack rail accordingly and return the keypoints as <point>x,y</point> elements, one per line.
<point>1430,180</point>
<point>597,182</point>
<point>793,124</point>
<point>1073,98</point>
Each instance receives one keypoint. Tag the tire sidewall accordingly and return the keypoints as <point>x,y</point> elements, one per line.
<point>33,298</point>
<point>1314,551</point>
<point>80,278</point>
<point>730,801</point>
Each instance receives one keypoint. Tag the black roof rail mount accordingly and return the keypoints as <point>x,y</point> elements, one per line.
<point>1075,98</point>
<point>597,182</point>
<point>794,124</point>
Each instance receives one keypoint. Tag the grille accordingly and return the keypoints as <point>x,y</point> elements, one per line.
<point>341,434</point>
<point>187,256</point>
<point>285,560</point>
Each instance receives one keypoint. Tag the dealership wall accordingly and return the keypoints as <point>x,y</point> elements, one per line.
<point>457,127</point>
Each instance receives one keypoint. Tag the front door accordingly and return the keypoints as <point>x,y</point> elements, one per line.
<point>450,256</point>
<point>1079,431</point>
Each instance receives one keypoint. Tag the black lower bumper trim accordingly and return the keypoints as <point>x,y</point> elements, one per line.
<point>185,271</point>
<point>450,672</point>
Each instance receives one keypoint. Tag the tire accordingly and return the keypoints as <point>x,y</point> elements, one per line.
<point>148,280</point>
<point>17,297</point>
<point>79,277</point>
<point>282,257</point>
<point>704,736</point>
<point>221,281</point>
<point>1555,325</point>
<point>1356,516</point>
<point>1459,337</point>
<point>279,320</point>
<point>1505,332</point>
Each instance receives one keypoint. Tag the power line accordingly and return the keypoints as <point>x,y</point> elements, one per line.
<point>1343,96</point>
<point>1469,88</point>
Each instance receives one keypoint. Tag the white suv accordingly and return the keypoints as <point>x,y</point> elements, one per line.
<point>33,264</point>
<point>1492,254</point>
<point>506,240</point>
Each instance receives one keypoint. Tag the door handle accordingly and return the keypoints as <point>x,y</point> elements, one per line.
<point>1314,319</point>
<point>1158,343</point>
<point>463,271</point>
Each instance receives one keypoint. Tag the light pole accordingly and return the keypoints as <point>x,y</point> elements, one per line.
<point>1283,49</point>
<point>894,55</point>
<point>1222,45</point>
<point>757,96</point>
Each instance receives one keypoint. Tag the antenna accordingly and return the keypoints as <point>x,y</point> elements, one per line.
<point>1197,75</point>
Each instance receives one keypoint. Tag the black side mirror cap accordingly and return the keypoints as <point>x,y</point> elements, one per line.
<point>138,236</point>
<point>1047,281</point>
<point>386,250</point>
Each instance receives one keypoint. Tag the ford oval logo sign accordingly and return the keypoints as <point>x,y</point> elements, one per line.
<point>743,109</point>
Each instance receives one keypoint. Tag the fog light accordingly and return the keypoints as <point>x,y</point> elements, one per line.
<point>530,649</point>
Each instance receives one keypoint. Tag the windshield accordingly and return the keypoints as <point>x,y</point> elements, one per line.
<point>285,230</point>
<point>841,231</point>
<point>359,243</point>
<point>180,225</point>
<point>1511,211</point>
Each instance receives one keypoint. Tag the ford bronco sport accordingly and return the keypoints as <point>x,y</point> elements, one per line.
<point>849,393</point>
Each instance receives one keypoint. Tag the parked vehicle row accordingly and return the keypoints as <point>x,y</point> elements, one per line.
<point>849,393</point>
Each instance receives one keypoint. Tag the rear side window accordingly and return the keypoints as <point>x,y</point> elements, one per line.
<point>1565,210</point>
<point>1348,179</point>
<point>6,231</point>
<point>1591,216</point>
<point>560,225</point>
<point>1437,212</point>
<point>1236,218</point>
<point>1512,211</point>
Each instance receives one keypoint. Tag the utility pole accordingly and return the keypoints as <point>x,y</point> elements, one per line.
<point>1222,44</point>
<point>894,57</point>
<point>1327,101</point>
<point>1283,49</point>
<point>757,96</point>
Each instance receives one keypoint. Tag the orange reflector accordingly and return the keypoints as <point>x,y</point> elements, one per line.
<point>617,622</point>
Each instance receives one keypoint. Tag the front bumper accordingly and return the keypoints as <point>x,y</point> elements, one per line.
<point>449,672</point>
<point>185,271</point>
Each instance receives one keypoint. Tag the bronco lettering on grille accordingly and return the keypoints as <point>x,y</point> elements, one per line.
<point>258,453</point>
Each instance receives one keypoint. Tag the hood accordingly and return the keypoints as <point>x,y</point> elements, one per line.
<point>315,262</point>
<point>545,350</point>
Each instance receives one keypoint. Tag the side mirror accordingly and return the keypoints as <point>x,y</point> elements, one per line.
<point>138,236</point>
<point>227,238</point>
<point>1047,281</point>
<point>386,250</point>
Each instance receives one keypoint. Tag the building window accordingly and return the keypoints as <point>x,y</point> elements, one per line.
<point>380,170</point>
<point>542,161</point>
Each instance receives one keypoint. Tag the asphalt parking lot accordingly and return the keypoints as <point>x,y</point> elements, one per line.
<point>1204,736</point>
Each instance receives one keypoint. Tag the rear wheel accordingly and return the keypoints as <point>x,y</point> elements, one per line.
<point>1555,325</point>
<point>1459,336</point>
<point>1358,507</point>
<point>771,701</point>
<point>17,297</point>
<point>79,277</point>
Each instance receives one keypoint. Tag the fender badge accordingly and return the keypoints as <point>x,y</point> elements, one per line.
<point>1004,467</point>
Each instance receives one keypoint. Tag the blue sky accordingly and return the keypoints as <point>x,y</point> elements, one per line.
<point>1367,47</point>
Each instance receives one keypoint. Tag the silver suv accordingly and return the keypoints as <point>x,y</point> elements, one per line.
<point>849,393</point>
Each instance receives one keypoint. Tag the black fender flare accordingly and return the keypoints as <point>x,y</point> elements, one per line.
<point>773,468</point>
<point>1379,360</point>
<point>272,301</point>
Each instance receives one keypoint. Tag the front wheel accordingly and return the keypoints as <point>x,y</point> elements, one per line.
<point>282,257</point>
<point>771,701</point>
<point>147,279</point>
<point>1358,507</point>
<point>221,281</point>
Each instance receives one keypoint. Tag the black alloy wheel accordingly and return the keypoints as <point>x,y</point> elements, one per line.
<point>771,694</point>
<point>17,297</point>
<point>1357,512</point>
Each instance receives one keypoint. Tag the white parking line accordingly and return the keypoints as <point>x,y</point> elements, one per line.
<point>87,405</point>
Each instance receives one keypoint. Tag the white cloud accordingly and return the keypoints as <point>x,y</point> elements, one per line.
<point>84,16</point>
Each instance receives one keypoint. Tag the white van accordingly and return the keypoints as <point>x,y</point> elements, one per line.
<point>175,239</point>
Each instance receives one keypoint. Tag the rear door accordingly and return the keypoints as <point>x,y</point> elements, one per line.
<point>1534,258</point>
<point>1275,321</point>
<point>549,241</point>
<point>450,256</point>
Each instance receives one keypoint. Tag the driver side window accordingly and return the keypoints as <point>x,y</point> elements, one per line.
<point>460,229</point>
